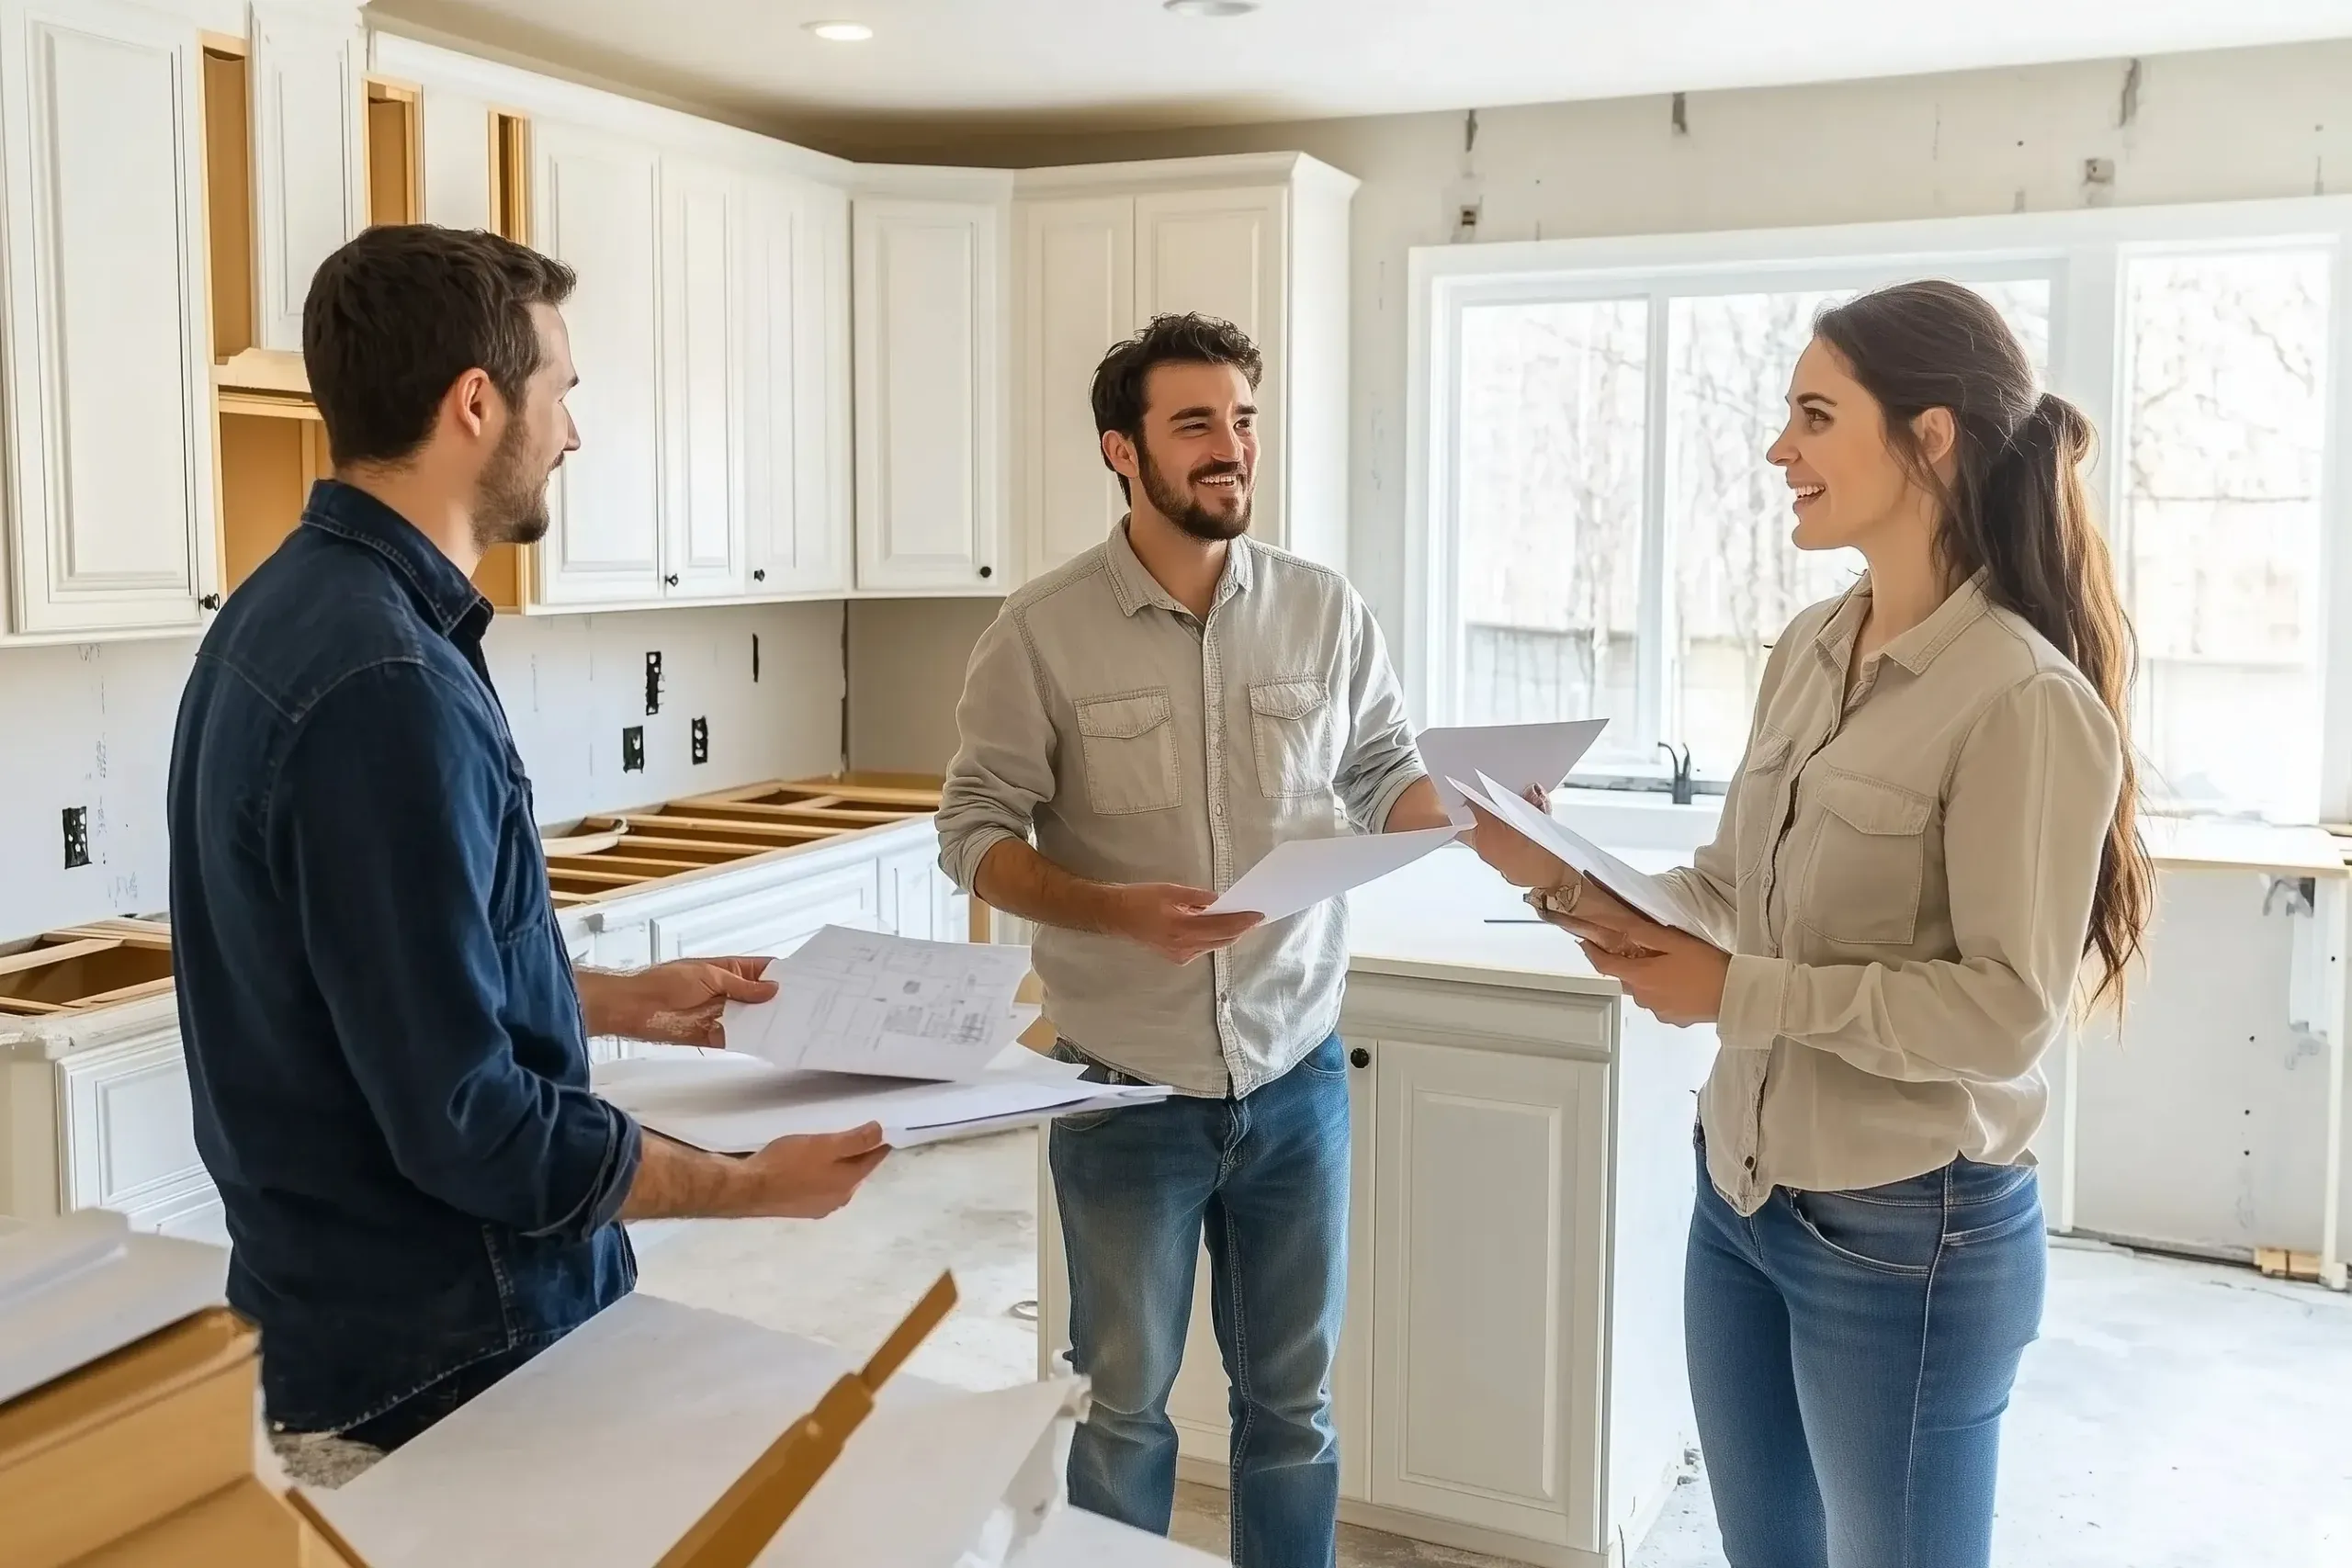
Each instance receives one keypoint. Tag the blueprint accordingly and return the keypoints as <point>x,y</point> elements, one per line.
<point>852,1001</point>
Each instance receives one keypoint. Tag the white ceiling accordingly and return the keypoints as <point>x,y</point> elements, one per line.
<point>1107,65</point>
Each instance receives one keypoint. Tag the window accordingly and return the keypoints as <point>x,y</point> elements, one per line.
<point>1603,536</point>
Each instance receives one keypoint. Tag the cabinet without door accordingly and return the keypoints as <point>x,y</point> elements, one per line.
<point>110,471</point>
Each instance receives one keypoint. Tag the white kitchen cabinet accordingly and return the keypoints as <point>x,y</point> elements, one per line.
<point>795,392</point>
<point>702,300</point>
<point>1260,240</point>
<point>94,1112</point>
<point>1490,1167</point>
<point>1077,297</point>
<point>310,155</point>
<point>110,475</point>
<point>774,921</point>
<point>928,312</point>
<point>596,205</point>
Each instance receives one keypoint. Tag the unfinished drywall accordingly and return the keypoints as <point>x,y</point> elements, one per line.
<point>2217,127</point>
<point>906,673</point>
<point>90,727</point>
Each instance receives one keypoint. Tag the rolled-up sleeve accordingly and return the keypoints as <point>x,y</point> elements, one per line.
<point>1004,756</point>
<point>2027,814</point>
<point>386,817</point>
<point>1383,759</point>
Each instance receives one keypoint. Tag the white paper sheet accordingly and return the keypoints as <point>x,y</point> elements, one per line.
<point>1520,754</point>
<point>734,1105</point>
<point>1302,872</point>
<point>852,1001</point>
<point>1661,901</point>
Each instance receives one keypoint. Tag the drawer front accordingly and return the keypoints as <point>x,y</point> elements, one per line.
<point>775,920</point>
<point>129,1134</point>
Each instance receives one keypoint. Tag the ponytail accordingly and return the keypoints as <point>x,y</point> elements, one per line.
<point>2015,510</point>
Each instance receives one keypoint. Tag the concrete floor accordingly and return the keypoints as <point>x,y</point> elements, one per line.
<point>2174,1414</point>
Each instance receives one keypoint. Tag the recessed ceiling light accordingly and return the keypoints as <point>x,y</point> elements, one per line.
<point>1211,8</point>
<point>841,32</point>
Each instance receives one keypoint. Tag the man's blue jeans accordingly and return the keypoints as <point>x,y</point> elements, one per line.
<point>1852,1355</point>
<point>1264,1180</point>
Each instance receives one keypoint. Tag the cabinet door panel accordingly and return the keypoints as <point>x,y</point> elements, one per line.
<point>110,456</point>
<point>1079,279</point>
<point>309,164</point>
<point>1490,1205</point>
<point>1223,254</point>
<point>131,1133</point>
<point>795,388</point>
<point>927,320</point>
<point>596,207</point>
<point>703,549</point>
<point>772,922</point>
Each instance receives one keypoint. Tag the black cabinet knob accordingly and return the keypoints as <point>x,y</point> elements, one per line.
<point>210,601</point>
<point>988,572</point>
<point>672,579</point>
<point>1360,1056</point>
<point>759,574</point>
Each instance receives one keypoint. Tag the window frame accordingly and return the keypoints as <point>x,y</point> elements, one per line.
<point>2083,256</point>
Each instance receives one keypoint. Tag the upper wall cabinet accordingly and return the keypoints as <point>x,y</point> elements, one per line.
<point>109,449</point>
<point>795,387</point>
<point>596,204</point>
<point>309,154</point>
<point>703,219</point>
<point>928,312</point>
<point>1260,240</point>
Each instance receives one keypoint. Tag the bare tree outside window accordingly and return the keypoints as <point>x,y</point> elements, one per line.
<point>2223,447</point>
<point>1553,448</point>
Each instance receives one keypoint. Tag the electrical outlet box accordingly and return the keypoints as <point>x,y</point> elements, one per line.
<point>702,741</point>
<point>77,835</point>
<point>633,748</point>
<point>653,682</point>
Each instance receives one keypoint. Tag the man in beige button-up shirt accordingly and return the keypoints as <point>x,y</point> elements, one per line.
<point>1159,714</point>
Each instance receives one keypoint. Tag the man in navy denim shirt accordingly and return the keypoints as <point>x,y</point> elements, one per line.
<point>387,1043</point>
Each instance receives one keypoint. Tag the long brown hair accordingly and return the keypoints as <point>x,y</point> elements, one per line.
<point>2015,510</point>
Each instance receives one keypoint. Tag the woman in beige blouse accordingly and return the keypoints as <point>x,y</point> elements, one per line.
<point>1931,831</point>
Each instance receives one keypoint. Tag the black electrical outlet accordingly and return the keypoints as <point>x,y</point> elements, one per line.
<point>77,835</point>
<point>755,659</point>
<point>702,741</point>
<point>653,682</point>
<point>633,748</point>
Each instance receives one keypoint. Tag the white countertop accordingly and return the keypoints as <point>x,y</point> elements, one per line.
<point>1430,922</point>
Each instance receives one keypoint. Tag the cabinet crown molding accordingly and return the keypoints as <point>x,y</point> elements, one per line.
<point>1218,172</point>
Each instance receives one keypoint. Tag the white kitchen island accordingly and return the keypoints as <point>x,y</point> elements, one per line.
<point>1511,1378</point>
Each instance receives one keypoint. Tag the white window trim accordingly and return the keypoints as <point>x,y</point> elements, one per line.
<point>2080,251</point>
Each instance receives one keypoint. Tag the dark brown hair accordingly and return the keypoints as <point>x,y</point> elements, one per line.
<point>2015,510</point>
<point>401,313</point>
<point>1169,339</point>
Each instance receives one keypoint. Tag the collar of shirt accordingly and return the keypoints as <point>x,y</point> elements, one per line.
<point>444,595</point>
<point>1915,649</point>
<point>1136,588</point>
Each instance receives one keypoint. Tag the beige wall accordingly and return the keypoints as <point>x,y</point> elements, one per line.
<point>906,668</point>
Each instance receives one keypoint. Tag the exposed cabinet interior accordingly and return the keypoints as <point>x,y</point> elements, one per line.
<point>395,154</point>
<point>271,449</point>
<point>86,967</point>
<point>510,176</point>
<point>229,193</point>
<point>603,856</point>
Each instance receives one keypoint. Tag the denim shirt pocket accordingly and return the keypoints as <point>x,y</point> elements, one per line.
<point>1291,725</point>
<point>1128,740</point>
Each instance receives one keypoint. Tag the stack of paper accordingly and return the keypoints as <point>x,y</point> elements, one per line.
<point>1525,755</point>
<point>918,1037</point>
<point>1649,896</point>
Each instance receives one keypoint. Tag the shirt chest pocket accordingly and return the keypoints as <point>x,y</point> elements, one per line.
<point>518,894</point>
<point>1761,806</point>
<point>1129,743</point>
<point>1868,863</point>
<point>1292,725</point>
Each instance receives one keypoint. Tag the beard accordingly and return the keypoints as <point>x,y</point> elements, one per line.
<point>1182,507</point>
<point>510,500</point>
